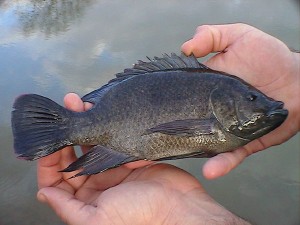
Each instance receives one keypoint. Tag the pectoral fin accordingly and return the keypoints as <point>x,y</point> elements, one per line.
<point>99,159</point>
<point>187,127</point>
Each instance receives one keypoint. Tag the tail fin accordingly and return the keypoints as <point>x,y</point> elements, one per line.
<point>40,126</point>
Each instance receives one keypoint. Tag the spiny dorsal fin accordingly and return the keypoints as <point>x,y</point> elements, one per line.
<point>166,62</point>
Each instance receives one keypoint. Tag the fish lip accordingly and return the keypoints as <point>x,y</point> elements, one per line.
<point>277,110</point>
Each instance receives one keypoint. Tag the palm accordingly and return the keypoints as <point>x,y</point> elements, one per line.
<point>144,192</point>
<point>122,195</point>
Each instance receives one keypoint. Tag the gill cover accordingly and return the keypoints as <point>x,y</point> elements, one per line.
<point>224,109</point>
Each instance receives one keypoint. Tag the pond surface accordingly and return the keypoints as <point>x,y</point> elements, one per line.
<point>55,47</point>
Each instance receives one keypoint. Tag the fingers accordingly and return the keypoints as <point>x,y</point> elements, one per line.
<point>87,106</point>
<point>48,167</point>
<point>73,102</point>
<point>214,38</point>
<point>223,163</point>
<point>206,40</point>
<point>66,206</point>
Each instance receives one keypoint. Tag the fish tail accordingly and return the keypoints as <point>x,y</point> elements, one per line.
<point>40,126</point>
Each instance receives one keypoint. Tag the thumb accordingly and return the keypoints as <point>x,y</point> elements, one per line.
<point>214,38</point>
<point>65,205</point>
<point>223,163</point>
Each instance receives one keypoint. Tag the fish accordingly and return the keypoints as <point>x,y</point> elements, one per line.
<point>164,108</point>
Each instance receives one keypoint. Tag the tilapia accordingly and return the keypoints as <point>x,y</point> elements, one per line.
<point>169,107</point>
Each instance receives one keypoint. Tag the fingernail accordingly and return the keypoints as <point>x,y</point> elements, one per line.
<point>41,197</point>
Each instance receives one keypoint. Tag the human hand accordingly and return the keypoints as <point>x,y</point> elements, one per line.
<point>156,194</point>
<point>261,60</point>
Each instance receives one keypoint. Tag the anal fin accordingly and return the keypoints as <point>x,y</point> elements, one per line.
<point>97,160</point>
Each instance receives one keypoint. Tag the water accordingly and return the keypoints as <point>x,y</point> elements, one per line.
<point>54,47</point>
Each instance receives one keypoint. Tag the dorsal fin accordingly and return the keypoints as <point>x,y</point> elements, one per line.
<point>166,62</point>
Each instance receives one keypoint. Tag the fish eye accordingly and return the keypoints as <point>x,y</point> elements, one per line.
<point>251,97</point>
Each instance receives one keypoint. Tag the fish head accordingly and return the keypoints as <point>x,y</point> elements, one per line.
<point>246,112</point>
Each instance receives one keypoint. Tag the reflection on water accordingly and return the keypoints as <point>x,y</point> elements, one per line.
<point>53,47</point>
<point>51,16</point>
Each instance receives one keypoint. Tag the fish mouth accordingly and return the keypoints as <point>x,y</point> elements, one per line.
<point>277,111</point>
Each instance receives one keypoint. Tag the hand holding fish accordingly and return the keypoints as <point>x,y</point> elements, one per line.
<point>261,60</point>
<point>168,108</point>
<point>155,194</point>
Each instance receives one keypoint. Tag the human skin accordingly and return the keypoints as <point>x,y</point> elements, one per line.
<point>161,193</point>
<point>261,60</point>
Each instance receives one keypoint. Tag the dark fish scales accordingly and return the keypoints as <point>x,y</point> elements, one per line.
<point>168,108</point>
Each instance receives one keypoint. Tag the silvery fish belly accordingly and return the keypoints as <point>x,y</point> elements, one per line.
<point>166,108</point>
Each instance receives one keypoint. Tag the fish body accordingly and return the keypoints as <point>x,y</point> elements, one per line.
<point>168,108</point>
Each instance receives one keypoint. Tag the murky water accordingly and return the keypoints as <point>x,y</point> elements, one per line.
<point>54,47</point>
